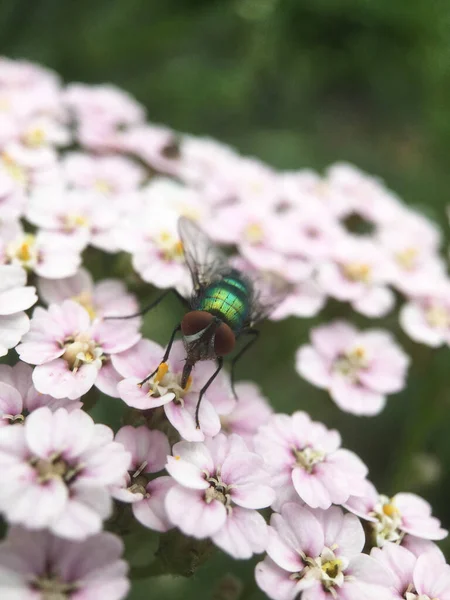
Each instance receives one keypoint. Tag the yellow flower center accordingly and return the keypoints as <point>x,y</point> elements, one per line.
<point>331,568</point>
<point>80,350</point>
<point>352,362</point>
<point>102,186</point>
<point>358,272</point>
<point>75,221</point>
<point>23,251</point>
<point>407,258</point>
<point>34,137</point>
<point>254,233</point>
<point>438,316</point>
<point>390,510</point>
<point>308,458</point>
<point>170,247</point>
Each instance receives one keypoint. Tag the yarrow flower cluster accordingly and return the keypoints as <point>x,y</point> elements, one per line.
<point>90,199</point>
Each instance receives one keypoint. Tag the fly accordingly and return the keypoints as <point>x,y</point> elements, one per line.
<point>224,307</point>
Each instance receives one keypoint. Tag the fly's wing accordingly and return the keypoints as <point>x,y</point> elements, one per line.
<point>205,261</point>
<point>269,291</point>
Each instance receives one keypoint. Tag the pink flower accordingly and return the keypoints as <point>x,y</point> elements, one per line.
<point>112,176</point>
<point>415,578</point>
<point>303,453</point>
<point>106,298</point>
<point>15,297</point>
<point>36,564</point>
<point>393,518</point>
<point>426,318</point>
<point>58,468</point>
<point>48,254</point>
<point>151,236</point>
<point>359,274</point>
<point>318,554</point>
<point>155,145</point>
<point>82,217</point>
<point>164,388</point>
<point>250,412</point>
<point>305,299</point>
<point>412,244</point>
<point>357,368</point>
<point>71,352</point>
<point>364,194</point>
<point>220,484</point>
<point>149,450</point>
<point>18,396</point>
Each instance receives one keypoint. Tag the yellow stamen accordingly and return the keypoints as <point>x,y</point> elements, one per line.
<point>254,233</point>
<point>74,220</point>
<point>438,316</point>
<point>407,258</point>
<point>188,383</point>
<point>390,510</point>
<point>13,168</point>
<point>34,137</point>
<point>102,186</point>
<point>332,567</point>
<point>161,372</point>
<point>177,457</point>
<point>357,271</point>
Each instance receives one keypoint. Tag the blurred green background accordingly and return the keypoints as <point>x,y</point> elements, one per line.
<point>298,84</point>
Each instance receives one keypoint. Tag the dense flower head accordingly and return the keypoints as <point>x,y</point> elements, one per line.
<point>91,196</point>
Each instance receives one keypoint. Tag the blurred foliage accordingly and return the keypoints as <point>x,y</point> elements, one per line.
<point>299,84</point>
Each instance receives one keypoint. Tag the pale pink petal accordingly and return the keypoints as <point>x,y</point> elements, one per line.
<point>355,398</point>
<point>275,582</point>
<point>300,529</point>
<point>243,534</point>
<point>311,489</point>
<point>312,366</point>
<point>151,511</point>
<point>188,510</point>
<point>135,395</point>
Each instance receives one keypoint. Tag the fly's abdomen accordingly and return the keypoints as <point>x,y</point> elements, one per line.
<point>228,299</point>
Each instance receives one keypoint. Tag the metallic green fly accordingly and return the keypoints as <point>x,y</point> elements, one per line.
<point>224,307</point>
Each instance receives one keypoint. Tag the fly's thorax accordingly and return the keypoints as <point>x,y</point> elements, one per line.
<point>228,299</point>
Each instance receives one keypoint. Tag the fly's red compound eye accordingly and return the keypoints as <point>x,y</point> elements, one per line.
<point>224,340</point>
<point>195,321</point>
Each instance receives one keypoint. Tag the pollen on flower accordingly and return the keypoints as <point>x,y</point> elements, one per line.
<point>177,457</point>
<point>102,186</point>
<point>23,251</point>
<point>75,221</point>
<point>407,258</point>
<point>308,457</point>
<point>161,372</point>
<point>254,233</point>
<point>438,316</point>
<point>13,168</point>
<point>358,272</point>
<point>34,137</point>
<point>170,247</point>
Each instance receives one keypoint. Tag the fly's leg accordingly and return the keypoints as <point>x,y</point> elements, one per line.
<point>255,334</point>
<point>205,387</point>
<point>152,305</point>
<point>166,354</point>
